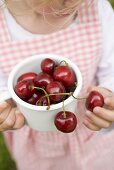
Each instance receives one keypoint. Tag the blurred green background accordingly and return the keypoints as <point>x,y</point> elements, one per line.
<point>6,162</point>
<point>112,2</point>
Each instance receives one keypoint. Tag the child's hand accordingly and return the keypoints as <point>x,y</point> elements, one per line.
<point>10,117</point>
<point>101,117</point>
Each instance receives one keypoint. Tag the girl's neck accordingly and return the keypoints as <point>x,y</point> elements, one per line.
<point>37,23</point>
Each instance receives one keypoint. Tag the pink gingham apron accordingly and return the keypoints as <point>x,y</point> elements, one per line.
<point>82,149</point>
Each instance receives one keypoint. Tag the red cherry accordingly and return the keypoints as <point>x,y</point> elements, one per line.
<point>35,97</point>
<point>66,123</point>
<point>42,80</point>
<point>55,87</point>
<point>47,66</point>
<point>42,101</point>
<point>65,75</point>
<point>94,99</point>
<point>27,76</point>
<point>24,89</point>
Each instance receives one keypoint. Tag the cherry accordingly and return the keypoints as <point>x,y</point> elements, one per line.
<point>47,66</point>
<point>26,76</point>
<point>94,99</point>
<point>65,121</point>
<point>55,87</point>
<point>42,80</point>
<point>42,101</point>
<point>65,75</point>
<point>34,98</point>
<point>24,89</point>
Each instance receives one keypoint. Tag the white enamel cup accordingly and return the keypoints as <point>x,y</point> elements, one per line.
<point>38,117</point>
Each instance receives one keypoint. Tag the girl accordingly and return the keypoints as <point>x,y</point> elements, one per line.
<point>83,32</point>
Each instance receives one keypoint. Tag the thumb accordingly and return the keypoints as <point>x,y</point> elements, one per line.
<point>105,92</point>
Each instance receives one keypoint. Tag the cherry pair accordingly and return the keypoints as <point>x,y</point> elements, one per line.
<point>66,121</point>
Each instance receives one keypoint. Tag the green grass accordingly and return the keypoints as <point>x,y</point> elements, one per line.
<point>6,162</point>
<point>112,2</point>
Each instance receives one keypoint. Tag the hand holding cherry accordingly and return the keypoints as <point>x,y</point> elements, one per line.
<point>101,117</point>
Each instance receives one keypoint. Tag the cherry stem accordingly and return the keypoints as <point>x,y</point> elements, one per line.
<point>75,84</point>
<point>46,94</point>
<point>39,101</point>
<point>69,94</point>
<point>58,94</point>
<point>48,99</point>
<point>78,98</point>
<point>64,62</point>
<point>64,113</point>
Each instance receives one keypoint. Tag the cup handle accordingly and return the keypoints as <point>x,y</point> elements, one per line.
<point>4,96</point>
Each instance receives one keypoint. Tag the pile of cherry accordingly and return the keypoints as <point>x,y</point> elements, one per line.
<point>55,83</point>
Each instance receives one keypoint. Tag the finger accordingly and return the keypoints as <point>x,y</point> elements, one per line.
<point>20,120</point>
<point>104,113</point>
<point>101,90</point>
<point>89,124</point>
<point>96,88</point>
<point>9,121</point>
<point>11,102</point>
<point>109,101</point>
<point>105,92</point>
<point>4,114</point>
<point>3,105</point>
<point>100,122</point>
